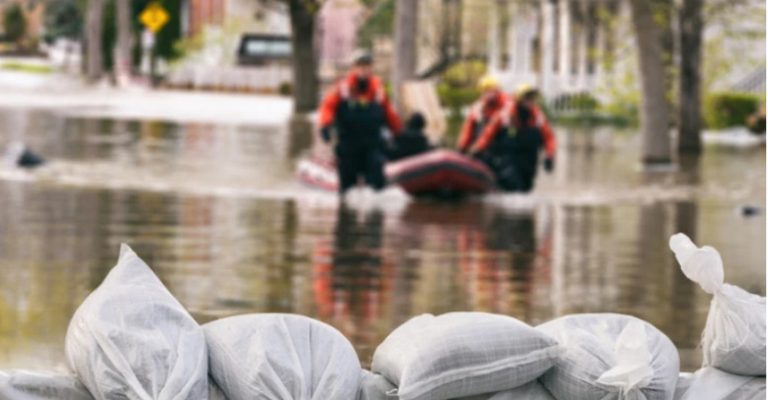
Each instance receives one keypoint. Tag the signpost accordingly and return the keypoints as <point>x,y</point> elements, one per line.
<point>154,17</point>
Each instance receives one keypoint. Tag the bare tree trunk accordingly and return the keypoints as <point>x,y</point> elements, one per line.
<point>406,15</point>
<point>94,67</point>
<point>502,7</point>
<point>305,81</point>
<point>123,62</point>
<point>654,115</point>
<point>691,26</point>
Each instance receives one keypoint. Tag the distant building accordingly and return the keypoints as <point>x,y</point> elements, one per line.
<point>252,16</point>
<point>563,46</point>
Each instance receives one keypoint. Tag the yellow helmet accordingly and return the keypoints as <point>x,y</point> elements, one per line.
<point>523,89</point>
<point>488,82</point>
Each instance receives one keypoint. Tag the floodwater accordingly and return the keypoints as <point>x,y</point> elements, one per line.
<point>214,210</point>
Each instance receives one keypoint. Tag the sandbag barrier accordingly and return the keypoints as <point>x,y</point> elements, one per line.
<point>131,339</point>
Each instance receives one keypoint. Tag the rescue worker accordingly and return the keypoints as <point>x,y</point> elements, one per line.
<point>482,112</point>
<point>517,136</point>
<point>359,109</point>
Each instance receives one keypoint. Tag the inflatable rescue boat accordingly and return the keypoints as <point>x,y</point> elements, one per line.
<point>434,173</point>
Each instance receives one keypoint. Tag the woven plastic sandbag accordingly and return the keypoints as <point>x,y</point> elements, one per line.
<point>131,339</point>
<point>462,354</point>
<point>374,387</point>
<point>530,391</point>
<point>281,357</point>
<point>214,391</point>
<point>611,357</point>
<point>713,384</point>
<point>734,335</point>
<point>36,385</point>
<point>684,381</point>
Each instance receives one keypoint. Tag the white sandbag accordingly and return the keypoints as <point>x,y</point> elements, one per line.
<point>684,381</point>
<point>713,384</point>
<point>530,391</point>
<point>37,385</point>
<point>462,354</point>
<point>611,357</point>
<point>281,356</point>
<point>375,387</point>
<point>734,335</point>
<point>214,391</point>
<point>132,339</point>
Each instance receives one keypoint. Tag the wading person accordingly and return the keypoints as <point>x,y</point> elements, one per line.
<point>482,112</point>
<point>514,140</point>
<point>358,107</point>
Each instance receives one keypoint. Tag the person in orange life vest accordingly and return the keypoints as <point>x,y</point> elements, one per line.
<point>358,108</point>
<point>482,112</point>
<point>515,138</point>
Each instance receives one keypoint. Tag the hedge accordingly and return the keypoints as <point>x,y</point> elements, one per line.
<point>727,109</point>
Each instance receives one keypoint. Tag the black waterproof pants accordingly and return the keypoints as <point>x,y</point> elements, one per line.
<point>355,163</point>
<point>514,159</point>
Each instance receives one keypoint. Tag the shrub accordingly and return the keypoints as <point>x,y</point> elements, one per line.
<point>15,23</point>
<point>458,85</point>
<point>726,109</point>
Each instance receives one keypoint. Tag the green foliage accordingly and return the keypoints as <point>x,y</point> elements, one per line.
<point>464,74</point>
<point>584,102</point>
<point>63,18</point>
<point>458,85</point>
<point>31,68</point>
<point>726,109</point>
<point>14,22</point>
<point>455,98</point>
<point>381,23</point>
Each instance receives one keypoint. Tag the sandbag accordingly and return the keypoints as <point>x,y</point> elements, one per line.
<point>132,339</point>
<point>281,357</point>
<point>611,357</point>
<point>374,387</point>
<point>684,381</point>
<point>713,384</point>
<point>530,391</point>
<point>214,391</point>
<point>38,385</point>
<point>734,335</point>
<point>462,354</point>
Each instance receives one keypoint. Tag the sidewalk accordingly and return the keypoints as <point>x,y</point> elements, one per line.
<point>66,95</point>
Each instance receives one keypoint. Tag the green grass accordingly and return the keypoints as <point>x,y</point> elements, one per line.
<point>30,68</point>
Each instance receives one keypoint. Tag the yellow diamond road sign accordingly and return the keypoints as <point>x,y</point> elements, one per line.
<point>154,16</point>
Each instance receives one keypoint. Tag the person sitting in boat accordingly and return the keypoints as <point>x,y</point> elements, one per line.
<point>490,103</point>
<point>514,139</point>
<point>358,108</point>
<point>413,141</point>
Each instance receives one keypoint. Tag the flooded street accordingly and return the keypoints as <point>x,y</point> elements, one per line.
<point>216,212</point>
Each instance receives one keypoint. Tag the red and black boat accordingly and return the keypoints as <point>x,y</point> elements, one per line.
<point>441,173</point>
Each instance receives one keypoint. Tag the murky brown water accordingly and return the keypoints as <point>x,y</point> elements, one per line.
<point>593,238</point>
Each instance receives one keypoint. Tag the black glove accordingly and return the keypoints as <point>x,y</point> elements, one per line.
<point>325,134</point>
<point>549,164</point>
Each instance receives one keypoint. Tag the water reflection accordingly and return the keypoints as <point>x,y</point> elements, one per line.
<point>362,268</point>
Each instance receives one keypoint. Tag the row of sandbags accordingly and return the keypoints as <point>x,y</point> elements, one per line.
<point>131,339</point>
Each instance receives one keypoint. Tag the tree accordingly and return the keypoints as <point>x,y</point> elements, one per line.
<point>689,95</point>
<point>63,19</point>
<point>654,115</point>
<point>94,67</point>
<point>406,15</point>
<point>305,81</point>
<point>15,23</point>
<point>123,48</point>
